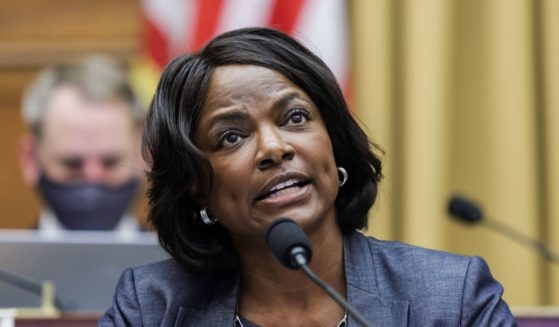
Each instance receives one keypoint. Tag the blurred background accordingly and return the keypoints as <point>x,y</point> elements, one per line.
<point>463,96</point>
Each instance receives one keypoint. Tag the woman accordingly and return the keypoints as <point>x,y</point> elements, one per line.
<point>253,128</point>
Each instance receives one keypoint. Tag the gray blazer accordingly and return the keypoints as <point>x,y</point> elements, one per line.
<point>390,283</point>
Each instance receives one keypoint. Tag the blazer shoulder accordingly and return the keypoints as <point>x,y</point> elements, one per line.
<point>405,271</point>
<point>161,273</point>
<point>417,256</point>
<point>153,294</point>
<point>146,294</point>
<point>436,282</point>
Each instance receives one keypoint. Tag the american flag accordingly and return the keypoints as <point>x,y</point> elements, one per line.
<point>174,27</point>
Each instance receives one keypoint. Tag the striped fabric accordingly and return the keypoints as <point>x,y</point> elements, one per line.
<point>174,27</point>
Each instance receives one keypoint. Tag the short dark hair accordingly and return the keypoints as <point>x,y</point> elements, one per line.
<point>181,175</point>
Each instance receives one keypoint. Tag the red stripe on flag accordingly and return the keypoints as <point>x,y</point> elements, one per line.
<point>285,14</point>
<point>156,44</point>
<point>347,88</point>
<point>207,18</point>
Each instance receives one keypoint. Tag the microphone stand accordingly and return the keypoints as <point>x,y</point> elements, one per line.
<point>469,212</point>
<point>300,260</point>
<point>50,304</point>
<point>522,239</point>
<point>292,248</point>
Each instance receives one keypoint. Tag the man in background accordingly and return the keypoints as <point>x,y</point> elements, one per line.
<point>81,152</point>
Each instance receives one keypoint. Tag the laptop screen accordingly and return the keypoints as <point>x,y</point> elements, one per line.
<point>84,267</point>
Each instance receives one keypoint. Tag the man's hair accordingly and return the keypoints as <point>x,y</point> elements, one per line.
<point>181,175</point>
<point>97,78</point>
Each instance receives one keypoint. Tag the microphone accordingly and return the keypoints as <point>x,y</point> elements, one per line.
<point>292,248</point>
<point>288,243</point>
<point>464,209</point>
<point>469,212</point>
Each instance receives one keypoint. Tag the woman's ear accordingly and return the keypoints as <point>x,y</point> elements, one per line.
<point>27,156</point>
<point>197,195</point>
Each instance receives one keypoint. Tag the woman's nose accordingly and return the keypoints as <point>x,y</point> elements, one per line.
<point>272,149</point>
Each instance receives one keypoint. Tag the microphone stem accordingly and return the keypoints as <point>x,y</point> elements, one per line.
<point>20,282</point>
<point>520,238</point>
<point>27,285</point>
<point>335,295</point>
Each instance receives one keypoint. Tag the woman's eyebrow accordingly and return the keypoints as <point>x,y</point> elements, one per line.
<point>228,116</point>
<point>234,115</point>
<point>286,98</point>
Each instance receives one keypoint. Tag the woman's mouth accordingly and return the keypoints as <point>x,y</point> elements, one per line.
<point>284,192</point>
<point>285,188</point>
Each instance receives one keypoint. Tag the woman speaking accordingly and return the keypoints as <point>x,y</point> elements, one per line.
<point>253,128</point>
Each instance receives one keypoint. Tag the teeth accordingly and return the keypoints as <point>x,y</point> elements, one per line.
<point>285,191</point>
<point>284,185</point>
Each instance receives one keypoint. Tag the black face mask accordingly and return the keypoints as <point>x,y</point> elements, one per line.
<point>87,206</point>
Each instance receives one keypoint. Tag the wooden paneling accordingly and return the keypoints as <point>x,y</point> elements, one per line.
<point>76,320</point>
<point>36,33</point>
<point>18,206</point>
<point>39,32</point>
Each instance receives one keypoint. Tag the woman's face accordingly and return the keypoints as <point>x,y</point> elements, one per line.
<point>269,150</point>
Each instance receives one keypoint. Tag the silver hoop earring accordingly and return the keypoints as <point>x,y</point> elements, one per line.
<point>206,218</point>
<point>342,171</point>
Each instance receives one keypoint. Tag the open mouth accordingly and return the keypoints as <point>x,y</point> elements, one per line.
<point>284,188</point>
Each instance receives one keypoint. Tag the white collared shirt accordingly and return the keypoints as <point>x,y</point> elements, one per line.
<point>49,224</point>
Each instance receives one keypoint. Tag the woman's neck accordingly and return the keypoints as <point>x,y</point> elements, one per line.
<point>267,284</point>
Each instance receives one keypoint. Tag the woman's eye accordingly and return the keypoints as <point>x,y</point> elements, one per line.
<point>230,138</point>
<point>297,117</point>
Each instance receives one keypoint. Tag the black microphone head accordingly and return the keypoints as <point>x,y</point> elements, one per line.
<point>464,209</point>
<point>283,235</point>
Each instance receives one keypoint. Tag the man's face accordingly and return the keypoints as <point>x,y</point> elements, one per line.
<point>83,141</point>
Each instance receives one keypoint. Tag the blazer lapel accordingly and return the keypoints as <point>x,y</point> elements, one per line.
<point>377,310</point>
<point>222,314</point>
<point>362,287</point>
<point>216,307</point>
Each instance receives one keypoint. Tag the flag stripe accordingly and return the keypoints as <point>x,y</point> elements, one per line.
<point>156,43</point>
<point>285,14</point>
<point>245,13</point>
<point>327,40</point>
<point>209,12</point>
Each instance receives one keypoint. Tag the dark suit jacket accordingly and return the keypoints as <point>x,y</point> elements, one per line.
<point>390,283</point>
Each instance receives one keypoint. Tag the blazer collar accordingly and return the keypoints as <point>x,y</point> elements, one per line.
<point>362,292</point>
<point>362,286</point>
